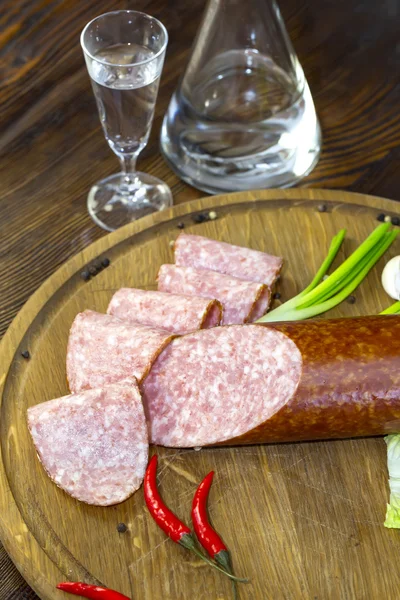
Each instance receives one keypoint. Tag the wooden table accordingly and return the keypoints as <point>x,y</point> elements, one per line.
<point>52,148</point>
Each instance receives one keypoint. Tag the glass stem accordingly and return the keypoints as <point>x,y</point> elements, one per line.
<point>128,166</point>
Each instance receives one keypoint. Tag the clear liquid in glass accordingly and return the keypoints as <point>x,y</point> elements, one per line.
<point>243,123</point>
<point>125,96</point>
<point>124,52</point>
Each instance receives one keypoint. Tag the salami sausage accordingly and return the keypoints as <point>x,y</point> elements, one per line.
<point>242,301</point>
<point>202,253</point>
<point>93,445</point>
<point>102,349</point>
<point>279,382</point>
<point>172,312</point>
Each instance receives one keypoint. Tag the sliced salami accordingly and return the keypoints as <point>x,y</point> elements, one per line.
<point>93,445</point>
<point>202,253</point>
<point>102,349</point>
<point>172,312</point>
<point>280,382</point>
<point>242,301</point>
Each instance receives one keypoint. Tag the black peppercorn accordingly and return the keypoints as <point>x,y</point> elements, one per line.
<point>26,354</point>
<point>277,295</point>
<point>181,225</point>
<point>92,270</point>
<point>322,208</point>
<point>351,299</point>
<point>97,265</point>
<point>105,262</point>
<point>200,218</point>
<point>122,528</point>
<point>85,275</point>
<point>381,217</point>
<point>395,221</point>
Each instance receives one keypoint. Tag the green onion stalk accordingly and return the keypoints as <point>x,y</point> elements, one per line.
<point>394,309</point>
<point>326,292</point>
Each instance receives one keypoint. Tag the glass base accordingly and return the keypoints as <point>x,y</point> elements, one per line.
<point>197,176</point>
<point>117,200</point>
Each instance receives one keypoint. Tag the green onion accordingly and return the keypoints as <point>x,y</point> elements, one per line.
<point>350,265</point>
<point>333,250</point>
<point>321,297</point>
<point>370,259</point>
<point>392,310</point>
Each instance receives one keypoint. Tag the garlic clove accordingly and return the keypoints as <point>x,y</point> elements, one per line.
<point>391,278</point>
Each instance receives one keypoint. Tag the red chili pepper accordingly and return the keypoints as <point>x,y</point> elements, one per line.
<point>168,521</point>
<point>94,592</point>
<point>206,535</point>
<point>164,517</point>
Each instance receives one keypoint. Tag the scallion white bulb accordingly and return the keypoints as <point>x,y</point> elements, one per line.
<point>391,278</point>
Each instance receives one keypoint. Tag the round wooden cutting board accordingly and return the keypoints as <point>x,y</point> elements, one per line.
<point>303,521</point>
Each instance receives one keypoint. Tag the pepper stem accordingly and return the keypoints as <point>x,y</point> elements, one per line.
<point>223,558</point>
<point>188,542</point>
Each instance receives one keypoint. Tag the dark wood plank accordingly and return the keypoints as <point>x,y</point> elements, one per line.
<point>52,148</point>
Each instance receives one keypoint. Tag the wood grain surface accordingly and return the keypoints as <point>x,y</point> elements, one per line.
<point>52,148</point>
<point>303,520</point>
